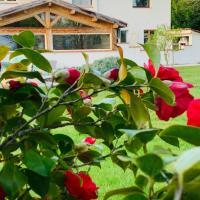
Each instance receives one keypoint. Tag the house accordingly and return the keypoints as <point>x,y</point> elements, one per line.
<point>141,16</point>
<point>95,26</point>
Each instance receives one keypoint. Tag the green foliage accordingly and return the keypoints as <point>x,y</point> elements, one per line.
<point>35,151</point>
<point>186,14</point>
<point>103,65</point>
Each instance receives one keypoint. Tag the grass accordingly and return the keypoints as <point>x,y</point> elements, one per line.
<point>110,176</point>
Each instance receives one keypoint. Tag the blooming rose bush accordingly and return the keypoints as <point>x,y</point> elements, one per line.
<point>38,162</point>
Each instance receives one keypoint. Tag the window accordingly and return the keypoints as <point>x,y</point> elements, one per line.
<point>147,35</point>
<point>8,41</point>
<point>122,36</point>
<point>87,3</point>
<point>81,41</point>
<point>141,3</point>
<point>6,0</point>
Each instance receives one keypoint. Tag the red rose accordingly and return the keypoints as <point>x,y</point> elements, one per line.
<point>193,113</point>
<point>112,74</point>
<point>150,67</point>
<point>164,73</point>
<point>72,75</point>
<point>89,140</point>
<point>169,73</point>
<point>80,186</point>
<point>2,194</point>
<point>14,85</point>
<point>183,99</point>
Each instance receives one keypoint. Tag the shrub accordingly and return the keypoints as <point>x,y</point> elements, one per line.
<point>103,65</point>
<point>39,164</point>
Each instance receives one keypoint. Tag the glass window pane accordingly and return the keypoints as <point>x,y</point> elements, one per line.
<point>8,41</point>
<point>141,3</point>
<point>82,41</point>
<point>64,23</point>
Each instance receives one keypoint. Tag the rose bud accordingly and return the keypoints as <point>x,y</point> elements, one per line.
<point>183,99</point>
<point>193,113</point>
<point>14,85</point>
<point>112,74</point>
<point>86,99</point>
<point>89,140</point>
<point>70,76</point>
<point>150,67</point>
<point>80,186</point>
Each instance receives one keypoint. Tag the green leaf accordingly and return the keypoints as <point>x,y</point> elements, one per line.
<point>92,80</point>
<point>37,163</point>
<point>154,53</point>
<point>138,111</point>
<point>25,39</point>
<point>141,181</point>
<point>150,164</point>
<point>133,145</point>
<point>3,52</point>
<point>65,143</point>
<point>12,179</point>
<point>89,156</point>
<point>15,73</point>
<point>34,57</point>
<point>162,90</point>
<point>52,117</point>
<point>186,133</point>
<point>145,135</point>
<point>122,191</point>
<point>135,196</point>
<point>38,184</point>
<point>128,62</point>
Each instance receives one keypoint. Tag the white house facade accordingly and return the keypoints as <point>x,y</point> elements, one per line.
<point>69,27</point>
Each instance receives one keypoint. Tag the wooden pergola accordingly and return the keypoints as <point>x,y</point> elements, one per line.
<point>42,11</point>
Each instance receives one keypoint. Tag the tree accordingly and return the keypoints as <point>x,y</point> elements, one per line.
<point>186,14</point>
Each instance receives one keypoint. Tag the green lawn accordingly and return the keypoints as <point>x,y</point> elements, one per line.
<point>112,177</point>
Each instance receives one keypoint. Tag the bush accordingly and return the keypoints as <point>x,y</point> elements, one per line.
<point>38,163</point>
<point>104,65</point>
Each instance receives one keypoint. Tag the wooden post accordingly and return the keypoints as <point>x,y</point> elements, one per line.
<point>49,41</point>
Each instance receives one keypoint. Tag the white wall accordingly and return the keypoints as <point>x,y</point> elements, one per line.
<point>138,19</point>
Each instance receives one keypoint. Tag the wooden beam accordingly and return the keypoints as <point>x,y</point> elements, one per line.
<point>72,12</point>
<point>40,20</point>
<point>115,26</point>
<point>21,15</point>
<point>79,17</point>
<point>48,30</point>
<point>94,19</point>
<point>55,20</point>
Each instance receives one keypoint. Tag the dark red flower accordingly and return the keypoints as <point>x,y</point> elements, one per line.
<point>183,99</point>
<point>112,74</point>
<point>193,113</point>
<point>2,194</point>
<point>14,85</point>
<point>89,140</point>
<point>72,75</point>
<point>80,186</point>
<point>169,73</point>
<point>150,67</point>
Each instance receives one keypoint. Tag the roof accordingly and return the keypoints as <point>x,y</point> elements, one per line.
<point>64,4</point>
